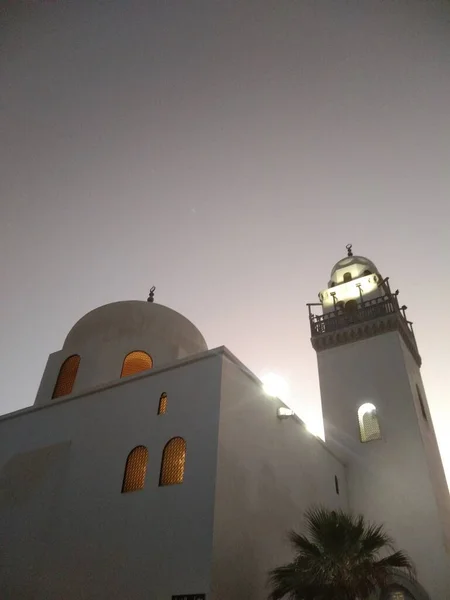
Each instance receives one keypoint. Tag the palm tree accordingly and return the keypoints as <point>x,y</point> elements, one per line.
<point>343,557</point>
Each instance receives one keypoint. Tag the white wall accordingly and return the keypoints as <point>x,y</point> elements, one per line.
<point>389,480</point>
<point>431,448</point>
<point>269,472</point>
<point>69,532</point>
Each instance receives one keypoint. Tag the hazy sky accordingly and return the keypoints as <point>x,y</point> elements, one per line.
<point>224,151</point>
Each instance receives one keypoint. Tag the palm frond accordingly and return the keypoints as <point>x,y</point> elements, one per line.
<point>340,557</point>
<point>289,582</point>
<point>375,539</point>
<point>301,544</point>
<point>397,560</point>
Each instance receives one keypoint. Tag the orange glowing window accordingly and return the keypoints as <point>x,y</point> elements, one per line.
<point>67,376</point>
<point>135,362</point>
<point>135,470</point>
<point>172,466</point>
<point>162,407</point>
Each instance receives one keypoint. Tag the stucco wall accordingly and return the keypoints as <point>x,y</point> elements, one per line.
<point>269,472</point>
<point>433,456</point>
<point>73,534</point>
<point>388,480</point>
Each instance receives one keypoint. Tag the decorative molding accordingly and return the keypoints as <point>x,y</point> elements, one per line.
<point>354,332</point>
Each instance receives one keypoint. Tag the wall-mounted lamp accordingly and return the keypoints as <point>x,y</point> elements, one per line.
<point>283,412</point>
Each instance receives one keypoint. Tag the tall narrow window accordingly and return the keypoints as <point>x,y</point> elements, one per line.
<point>135,470</point>
<point>369,426</point>
<point>173,459</point>
<point>336,484</point>
<point>135,362</point>
<point>162,407</point>
<point>422,405</point>
<point>67,376</point>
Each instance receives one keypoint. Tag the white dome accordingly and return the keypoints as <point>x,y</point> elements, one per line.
<point>162,328</point>
<point>357,266</point>
<point>103,340</point>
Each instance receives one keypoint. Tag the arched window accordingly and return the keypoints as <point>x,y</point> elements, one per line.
<point>369,427</point>
<point>422,405</point>
<point>135,362</point>
<point>351,306</point>
<point>347,277</point>
<point>173,459</point>
<point>367,272</point>
<point>67,376</point>
<point>162,407</point>
<point>135,470</point>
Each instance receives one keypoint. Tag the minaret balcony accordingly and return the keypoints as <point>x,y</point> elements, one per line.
<point>361,320</point>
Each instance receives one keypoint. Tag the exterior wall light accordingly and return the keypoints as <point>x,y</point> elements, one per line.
<point>284,413</point>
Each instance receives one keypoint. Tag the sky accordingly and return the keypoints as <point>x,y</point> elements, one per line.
<point>225,152</point>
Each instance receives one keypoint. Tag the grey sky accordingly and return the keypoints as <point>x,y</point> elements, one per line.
<point>225,152</point>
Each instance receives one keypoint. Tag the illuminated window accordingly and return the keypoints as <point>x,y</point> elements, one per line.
<point>422,405</point>
<point>397,596</point>
<point>135,470</point>
<point>347,277</point>
<point>135,362</point>
<point>336,484</point>
<point>369,427</point>
<point>66,377</point>
<point>162,404</point>
<point>173,459</point>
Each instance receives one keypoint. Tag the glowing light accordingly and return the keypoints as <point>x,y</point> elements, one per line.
<point>275,386</point>
<point>284,412</point>
<point>315,427</point>
<point>351,290</point>
<point>366,408</point>
<point>314,424</point>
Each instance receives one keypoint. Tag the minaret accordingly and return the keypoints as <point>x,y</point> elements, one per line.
<point>376,414</point>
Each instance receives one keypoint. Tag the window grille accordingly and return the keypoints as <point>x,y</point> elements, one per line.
<point>135,362</point>
<point>369,426</point>
<point>173,460</point>
<point>66,377</point>
<point>162,407</point>
<point>135,470</point>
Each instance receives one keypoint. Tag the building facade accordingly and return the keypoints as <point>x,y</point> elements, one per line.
<point>152,467</point>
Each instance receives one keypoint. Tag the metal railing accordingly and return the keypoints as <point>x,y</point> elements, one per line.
<point>358,313</point>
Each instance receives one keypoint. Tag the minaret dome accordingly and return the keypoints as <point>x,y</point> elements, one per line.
<point>350,268</point>
<point>353,279</point>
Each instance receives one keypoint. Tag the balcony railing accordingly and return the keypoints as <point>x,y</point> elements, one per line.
<point>361,313</point>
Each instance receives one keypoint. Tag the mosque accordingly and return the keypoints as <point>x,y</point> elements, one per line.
<point>150,467</point>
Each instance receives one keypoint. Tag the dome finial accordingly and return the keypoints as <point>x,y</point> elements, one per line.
<point>151,295</point>
<point>349,249</point>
